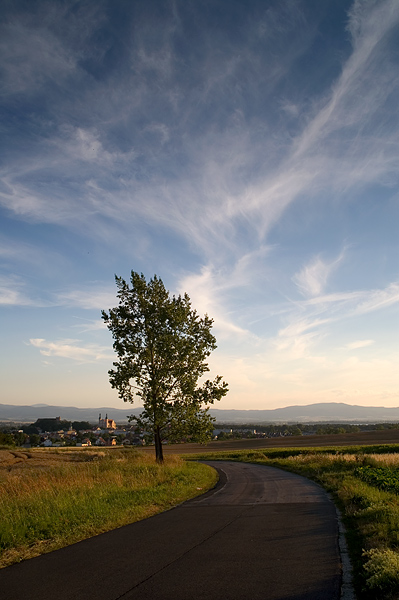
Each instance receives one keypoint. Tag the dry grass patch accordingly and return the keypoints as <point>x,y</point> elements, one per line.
<point>54,498</point>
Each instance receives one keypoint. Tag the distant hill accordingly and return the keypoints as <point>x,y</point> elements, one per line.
<point>29,414</point>
<point>328,412</point>
<point>321,412</point>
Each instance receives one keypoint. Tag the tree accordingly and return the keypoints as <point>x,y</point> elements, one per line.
<point>162,345</point>
<point>34,439</point>
<point>19,438</point>
<point>6,439</point>
<point>79,425</point>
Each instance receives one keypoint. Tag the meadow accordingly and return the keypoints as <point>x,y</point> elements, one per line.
<point>363,481</point>
<point>52,498</point>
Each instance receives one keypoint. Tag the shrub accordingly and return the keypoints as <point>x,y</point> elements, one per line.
<point>382,568</point>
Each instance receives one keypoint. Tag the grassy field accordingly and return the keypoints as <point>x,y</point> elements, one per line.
<point>364,483</point>
<point>51,498</point>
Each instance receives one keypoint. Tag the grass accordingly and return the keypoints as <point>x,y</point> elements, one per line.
<point>370,513</point>
<point>52,499</point>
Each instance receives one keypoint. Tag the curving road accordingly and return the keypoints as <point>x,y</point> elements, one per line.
<point>261,533</point>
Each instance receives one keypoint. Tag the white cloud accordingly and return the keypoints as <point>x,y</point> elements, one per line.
<point>309,322</point>
<point>90,325</point>
<point>207,292</point>
<point>13,292</point>
<point>72,349</point>
<point>300,336</point>
<point>97,297</point>
<point>356,303</point>
<point>359,344</point>
<point>378,299</point>
<point>312,279</point>
<point>221,291</point>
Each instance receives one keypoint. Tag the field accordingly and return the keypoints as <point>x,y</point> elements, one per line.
<point>366,438</point>
<point>51,498</point>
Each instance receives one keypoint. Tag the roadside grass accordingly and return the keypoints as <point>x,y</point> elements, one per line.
<point>370,513</point>
<point>54,503</point>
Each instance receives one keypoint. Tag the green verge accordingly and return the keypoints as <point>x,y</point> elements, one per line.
<point>369,512</point>
<point>48,507</point>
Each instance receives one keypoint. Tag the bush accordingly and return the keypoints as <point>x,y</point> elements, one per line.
<point>6,439</point>
<point>382,568</point>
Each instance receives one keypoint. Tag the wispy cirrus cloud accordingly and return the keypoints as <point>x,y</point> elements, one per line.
<point>13,292</point>
<point>378,299</point>
<point>359,344</point>
<point>210,203</point>
<point>86,325</point>
<point>309,321</point>
<point>207,292</point>
<point>96,297</point>
<point>312,279</point>
<point>72,349</point>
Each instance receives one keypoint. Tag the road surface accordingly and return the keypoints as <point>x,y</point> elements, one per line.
<point>261,533</point>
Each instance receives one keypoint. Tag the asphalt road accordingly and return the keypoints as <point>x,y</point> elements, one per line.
<point>261,533</point>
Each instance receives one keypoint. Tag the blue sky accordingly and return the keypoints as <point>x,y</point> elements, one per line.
<point>245,152</point>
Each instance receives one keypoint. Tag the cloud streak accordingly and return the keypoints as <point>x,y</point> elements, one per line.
<point>312,279</point>
<point>72,349</point>
<point>13,293</point>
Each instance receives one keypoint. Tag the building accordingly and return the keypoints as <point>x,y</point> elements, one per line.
<point>106,423</point>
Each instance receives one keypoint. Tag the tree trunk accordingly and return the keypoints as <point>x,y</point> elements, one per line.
<point>158,446</point>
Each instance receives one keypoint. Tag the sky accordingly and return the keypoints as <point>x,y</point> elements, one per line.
<point>245,152</point>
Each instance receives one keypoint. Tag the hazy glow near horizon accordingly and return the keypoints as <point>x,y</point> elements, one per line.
<point>245,152</point>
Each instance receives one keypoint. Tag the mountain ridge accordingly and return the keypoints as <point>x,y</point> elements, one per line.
<point>317,412</point>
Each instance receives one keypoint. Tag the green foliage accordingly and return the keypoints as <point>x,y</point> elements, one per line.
<point>6,439</point>
<point>79,425</point>
<point>19,438</point>
<point>46,425</point>
<point>384,478</point>
<point>382,568</point>
<point>162,346</point>
<point>34,439</point>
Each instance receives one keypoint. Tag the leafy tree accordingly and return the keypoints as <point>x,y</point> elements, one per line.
<point>295,430</point>
<point>19,438</point>
<point>30,429</point>
<point>162,345</point>
<point>34,439</point>
<point>6,439</point>
<point>79,425</point>
<point>46,425</point>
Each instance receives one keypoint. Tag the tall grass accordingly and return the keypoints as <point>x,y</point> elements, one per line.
<point>47,507</point>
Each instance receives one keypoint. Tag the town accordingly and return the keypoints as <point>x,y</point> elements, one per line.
<point>57,432</point>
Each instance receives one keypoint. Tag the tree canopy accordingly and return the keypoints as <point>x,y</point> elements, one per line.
<point>162,345</point>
